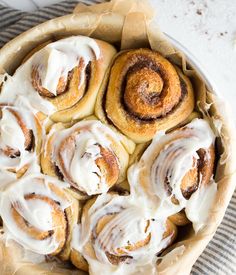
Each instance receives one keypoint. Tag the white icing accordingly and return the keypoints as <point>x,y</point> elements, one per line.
<point>12,136</point>
<point>11,133</point>
<point>199,205</point>
<point>36,212</point>
<point>6,177</point>
<point>128,226</point>
<point>171,156</point>
<point>53,61</point>
<point>83,169</point>
<point>83,166</point>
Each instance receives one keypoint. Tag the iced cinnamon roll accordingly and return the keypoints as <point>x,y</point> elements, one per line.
<point>150,94</point>
<point>88,155</point>
<point>62,79</point>
<point>20,139</point>
<point>118,233</point>
<point>176,171</point>
<point>39,215</point>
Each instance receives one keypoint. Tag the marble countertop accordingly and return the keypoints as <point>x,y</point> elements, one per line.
<point>207,28</point>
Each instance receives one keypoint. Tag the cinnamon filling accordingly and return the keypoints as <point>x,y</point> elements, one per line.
<point>28,134</point>
<point>120,257</point>
<point>145,94</point>
<point>37,83</point>
<point>115,260</point>
<point>107,163</point>
<point>64,84</point>
<point>108,166</point>
<point>200,173</point>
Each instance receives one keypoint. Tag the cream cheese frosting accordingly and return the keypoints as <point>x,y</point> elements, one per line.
<point>131,224</point>
<point>88,139</point>
<point>173,160</point>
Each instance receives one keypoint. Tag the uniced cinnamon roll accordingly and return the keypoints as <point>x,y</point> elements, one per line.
<point>88,155</point>
<point>176,172</point>
<point>20,139</point>
<point>39,215</point>
<point>148,92</point>
<point>62,79</point>
<point>117,233</point>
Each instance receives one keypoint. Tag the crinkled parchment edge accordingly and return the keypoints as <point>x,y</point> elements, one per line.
<point>116,22</point>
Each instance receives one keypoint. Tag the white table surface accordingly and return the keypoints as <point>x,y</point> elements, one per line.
<point>207,28</point>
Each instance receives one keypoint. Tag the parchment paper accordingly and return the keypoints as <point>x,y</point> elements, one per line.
<point>130,24</point>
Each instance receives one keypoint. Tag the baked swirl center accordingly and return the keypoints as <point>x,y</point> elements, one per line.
<point>148,93</point>
<point>81,157</point>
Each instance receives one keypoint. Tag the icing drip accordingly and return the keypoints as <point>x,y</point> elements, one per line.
<point>199,205</point>
<point>53,62</point>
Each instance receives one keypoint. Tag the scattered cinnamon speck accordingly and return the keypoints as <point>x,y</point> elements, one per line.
<point>223,33</point>
<point>199,12</point>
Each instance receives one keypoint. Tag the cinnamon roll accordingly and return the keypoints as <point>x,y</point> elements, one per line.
<point>150,94</point>
<point>20,139</point>
<point>118,233</point>
<point>62,79</point>
<point>88,155</point>
<point>39,215</point>
<point>176,168</point>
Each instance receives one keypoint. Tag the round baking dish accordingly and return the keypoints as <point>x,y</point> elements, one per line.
<point>109,28</point>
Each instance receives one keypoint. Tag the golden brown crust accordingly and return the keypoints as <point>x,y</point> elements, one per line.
<point>78,260</point>
<point>179,218</point>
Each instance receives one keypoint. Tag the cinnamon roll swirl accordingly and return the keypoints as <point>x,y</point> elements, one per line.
<point>89,155</point>
<point>62,79</point>
<point>20,139</point>
<point>149,93</point>
<point>39,215</point>
<point>117,233</point>
<point>176,168</point>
